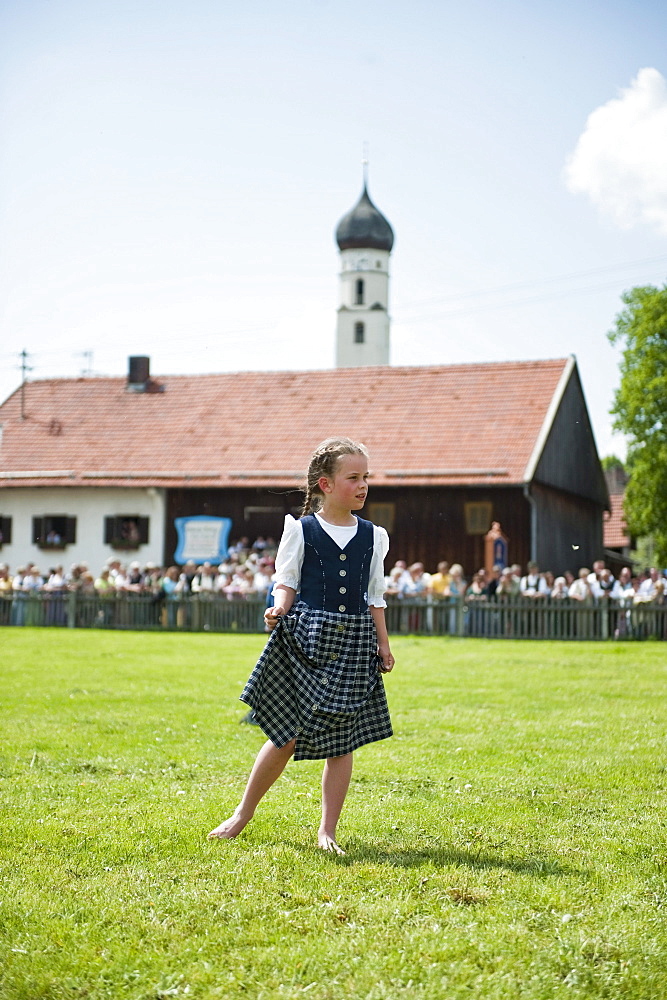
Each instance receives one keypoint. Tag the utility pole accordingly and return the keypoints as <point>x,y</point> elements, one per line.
<point>25,368</point>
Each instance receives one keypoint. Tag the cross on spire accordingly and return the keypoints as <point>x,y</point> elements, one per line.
<point>364,162</point>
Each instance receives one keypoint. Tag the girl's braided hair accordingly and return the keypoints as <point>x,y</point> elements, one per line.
<point>324,462</point>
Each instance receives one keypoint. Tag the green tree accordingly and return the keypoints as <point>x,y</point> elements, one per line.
<point>611,462</point>
<point>640,409</point>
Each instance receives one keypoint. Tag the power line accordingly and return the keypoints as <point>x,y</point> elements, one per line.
<point>240,334</point>
<point>534,282</point>
<point>509,304</point>
<point>457,303</point>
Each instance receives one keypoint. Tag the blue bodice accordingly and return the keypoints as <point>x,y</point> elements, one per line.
<point>335,579</point>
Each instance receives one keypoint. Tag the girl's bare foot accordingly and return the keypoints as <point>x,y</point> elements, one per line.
<point>230,828</point>
<point>329,844</point>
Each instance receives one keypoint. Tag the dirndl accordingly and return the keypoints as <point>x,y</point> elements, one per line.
<point>318,681</point>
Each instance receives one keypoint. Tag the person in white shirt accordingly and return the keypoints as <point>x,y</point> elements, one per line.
<point>56,580</point>
<point>317,689</point>
<point>533,583</point>
<point>204,579</point>
<point>33,580</point>
<point>596,572</point>
<point>415,582</point>
<point>623,589</point>
<point>581,588</point>
<point>647,588</point>
<point>263,578</point>
<point>602,584</point>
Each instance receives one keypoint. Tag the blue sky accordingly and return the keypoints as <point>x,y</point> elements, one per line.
<point>171,175</point>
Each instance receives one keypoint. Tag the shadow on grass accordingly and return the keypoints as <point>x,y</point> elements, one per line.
<point>446,857</point>
<point>482,857</point>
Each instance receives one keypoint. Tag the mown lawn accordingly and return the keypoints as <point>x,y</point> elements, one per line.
<point>508,842</point>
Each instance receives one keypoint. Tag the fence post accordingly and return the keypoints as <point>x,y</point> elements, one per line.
<point>604,624</point>
<point>195,609</point>
<point>71,609</point>
<point>459,615</point>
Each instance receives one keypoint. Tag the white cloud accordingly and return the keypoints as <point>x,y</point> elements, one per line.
<point>620,160</point>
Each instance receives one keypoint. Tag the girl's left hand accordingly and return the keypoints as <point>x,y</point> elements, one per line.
<point>387,660</point>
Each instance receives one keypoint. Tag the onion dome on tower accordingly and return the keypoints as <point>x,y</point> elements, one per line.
<point>364,227</point>
<point>365,240</point>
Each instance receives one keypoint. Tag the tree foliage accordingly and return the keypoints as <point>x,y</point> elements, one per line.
<point>640,409</point>
<point>611,462</point>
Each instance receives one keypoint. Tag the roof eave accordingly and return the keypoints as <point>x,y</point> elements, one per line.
<point>547,423</point>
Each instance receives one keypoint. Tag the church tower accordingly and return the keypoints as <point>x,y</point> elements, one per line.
<point>365,240</point>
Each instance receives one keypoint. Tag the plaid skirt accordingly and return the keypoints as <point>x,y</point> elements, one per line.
<point>318,681</point>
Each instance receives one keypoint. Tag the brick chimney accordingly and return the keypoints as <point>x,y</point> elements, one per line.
<point>139,374</point>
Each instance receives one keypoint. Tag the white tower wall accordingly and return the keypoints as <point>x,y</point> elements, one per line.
<point>362,334</point>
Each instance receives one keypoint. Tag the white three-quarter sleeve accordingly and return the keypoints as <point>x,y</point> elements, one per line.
<point>289,557</point>
<point>376,582</point>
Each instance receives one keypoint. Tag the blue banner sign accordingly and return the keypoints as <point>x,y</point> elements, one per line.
<point>202,538</point>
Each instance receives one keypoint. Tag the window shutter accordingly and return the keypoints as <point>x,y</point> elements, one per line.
<point>6,529</point>
<point>109,530</point>
<point>142,524</point>
<point>70,530</point>
<point>478,517</point>
<point>37,530</point>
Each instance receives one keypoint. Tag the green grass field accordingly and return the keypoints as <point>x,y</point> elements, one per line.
<point>508,842</point>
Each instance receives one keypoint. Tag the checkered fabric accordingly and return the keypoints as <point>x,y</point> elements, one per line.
<point>318,681</point>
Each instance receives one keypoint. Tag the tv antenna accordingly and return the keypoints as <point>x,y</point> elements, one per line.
<point>25,368</point>
<point>87,369</point>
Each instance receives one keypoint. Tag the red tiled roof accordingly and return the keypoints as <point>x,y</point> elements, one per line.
<point>615,531</point>
<point>448,424</point>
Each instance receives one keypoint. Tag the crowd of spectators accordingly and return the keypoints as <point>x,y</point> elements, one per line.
<point>589,586</point>
<point>248,570</point>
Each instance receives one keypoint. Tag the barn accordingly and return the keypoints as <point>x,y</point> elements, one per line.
<point>91,467</point>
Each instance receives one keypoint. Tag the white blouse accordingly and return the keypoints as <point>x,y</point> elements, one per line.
<point>289,557</point>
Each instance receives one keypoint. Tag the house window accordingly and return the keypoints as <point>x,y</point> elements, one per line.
<point>478,517</point>
<point>249,512</point>
<point>5,530</point>
<point>53,531</point>
<point>359,331</point>
<point>359,292</point>
<point>126,531</point>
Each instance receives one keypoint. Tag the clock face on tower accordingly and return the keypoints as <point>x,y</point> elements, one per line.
<point>358,261</point>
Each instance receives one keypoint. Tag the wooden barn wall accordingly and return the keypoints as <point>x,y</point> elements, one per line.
<point>570,460</point>
<point>569,530</point>
<point>429,523</point>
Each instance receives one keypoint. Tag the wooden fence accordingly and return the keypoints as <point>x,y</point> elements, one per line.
<point>521,618</point>
<point>524,618</point>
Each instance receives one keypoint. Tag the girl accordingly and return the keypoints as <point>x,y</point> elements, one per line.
<point>316,690</point>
